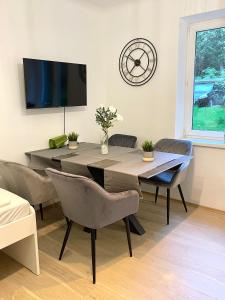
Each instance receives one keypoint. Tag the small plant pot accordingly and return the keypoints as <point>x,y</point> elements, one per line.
<point>72,145</point>
<point>148,156</point>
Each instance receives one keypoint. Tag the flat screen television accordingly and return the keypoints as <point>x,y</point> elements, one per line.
<point>54,84</point>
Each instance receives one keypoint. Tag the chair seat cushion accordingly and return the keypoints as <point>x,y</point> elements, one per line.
<point>164,178</point>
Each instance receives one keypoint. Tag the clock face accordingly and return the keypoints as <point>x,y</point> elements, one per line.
<point>138,61</point>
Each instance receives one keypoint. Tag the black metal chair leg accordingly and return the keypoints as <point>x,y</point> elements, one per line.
<point>126,220</point>
<point>65,238</point>
<point>67,221</point>
<point>182,197</point>
<point>168,206</point>
<point>41,210</point>
<point>156,193</point>
<point>93,237</point>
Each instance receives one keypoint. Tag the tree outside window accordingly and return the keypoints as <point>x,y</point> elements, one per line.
<point>209,81</point>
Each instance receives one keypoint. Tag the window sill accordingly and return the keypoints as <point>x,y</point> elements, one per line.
<point>219,144</point>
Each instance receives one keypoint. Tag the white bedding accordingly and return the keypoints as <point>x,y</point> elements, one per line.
<point>4,202</point>
<point>14,207</point>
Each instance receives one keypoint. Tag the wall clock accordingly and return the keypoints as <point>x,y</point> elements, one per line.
<point>138,62</point>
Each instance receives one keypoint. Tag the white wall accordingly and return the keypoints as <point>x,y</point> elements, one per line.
<point>61,30</point>
<point>94,32</point>
<point>150,111</point>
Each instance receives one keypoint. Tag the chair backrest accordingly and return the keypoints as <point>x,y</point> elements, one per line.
<point>21,180</point>
<point>183,147</point>
<point>123,140</point>
<point>2,180</point>
<point>83,200</point>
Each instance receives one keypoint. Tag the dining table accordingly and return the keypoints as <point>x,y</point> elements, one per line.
<point>120,170</point>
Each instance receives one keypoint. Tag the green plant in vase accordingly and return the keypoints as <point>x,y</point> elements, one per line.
<point>72,138</point>
<point>106,117</point>
<point>148,148</point>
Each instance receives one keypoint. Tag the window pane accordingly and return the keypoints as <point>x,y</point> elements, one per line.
<point>209,81</point>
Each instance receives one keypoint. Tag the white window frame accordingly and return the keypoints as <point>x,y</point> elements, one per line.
<point>189,86</point>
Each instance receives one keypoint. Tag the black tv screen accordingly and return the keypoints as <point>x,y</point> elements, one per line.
<point>54,84</point>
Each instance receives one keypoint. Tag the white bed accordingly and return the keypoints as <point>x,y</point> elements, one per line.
<point>18,233</point>
<point>12,207</point>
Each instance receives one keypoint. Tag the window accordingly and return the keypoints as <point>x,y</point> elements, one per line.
<point>205,88</point>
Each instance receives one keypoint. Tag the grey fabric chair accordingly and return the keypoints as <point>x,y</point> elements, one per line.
<point>26,183</point>
<point>2,183</point>
<point>2,180</point>
<point>175,176</point>
<point>123,140</point>
<point>88,204</point>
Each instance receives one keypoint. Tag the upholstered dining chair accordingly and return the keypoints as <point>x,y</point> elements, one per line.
<point>2,180</point>
<point>174,177</point>
<point>26,183</point>
<point>88,204</point>
<point>123,140</point>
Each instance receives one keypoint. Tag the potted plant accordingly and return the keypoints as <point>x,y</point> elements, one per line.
<point>72,138</point>
<point>105,117</point>
<point>148,148</point>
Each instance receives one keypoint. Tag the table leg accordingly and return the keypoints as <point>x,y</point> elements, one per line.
<point>98,175</point>
<point>135,225</point>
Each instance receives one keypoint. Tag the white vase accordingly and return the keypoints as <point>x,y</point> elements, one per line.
<point>104,142</point>
<point>72,145</point>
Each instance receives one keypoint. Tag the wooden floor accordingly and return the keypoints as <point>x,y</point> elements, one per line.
<point>185,260</point>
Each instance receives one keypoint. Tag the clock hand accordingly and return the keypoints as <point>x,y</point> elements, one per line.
<point>130,57</point>
<point>142,55</point>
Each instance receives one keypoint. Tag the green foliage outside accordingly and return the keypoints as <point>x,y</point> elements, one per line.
<point>209,118</point>
<point>209,108</point>
<point>210,53</point>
